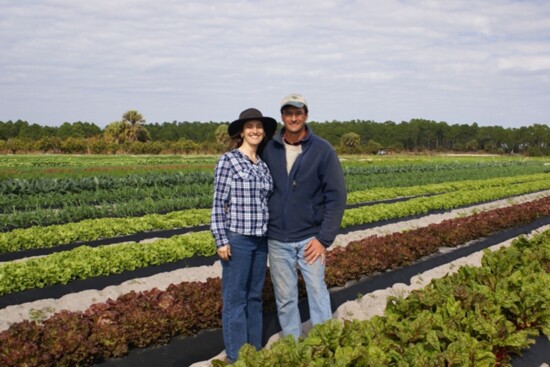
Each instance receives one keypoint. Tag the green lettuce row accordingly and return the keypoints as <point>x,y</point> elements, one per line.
<point>93,229</point>
<point>422,205</point>
<point>86,262</point>
<point>16,276</point>
<point>395,192</point>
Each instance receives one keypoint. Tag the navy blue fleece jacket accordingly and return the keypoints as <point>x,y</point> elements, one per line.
<point>310,201</point>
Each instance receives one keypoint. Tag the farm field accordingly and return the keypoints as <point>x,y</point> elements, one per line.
<point>97,236</point>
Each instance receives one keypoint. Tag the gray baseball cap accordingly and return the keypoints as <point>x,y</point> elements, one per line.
<point>295,100</point>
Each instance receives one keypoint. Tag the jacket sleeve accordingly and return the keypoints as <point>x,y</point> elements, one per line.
<point>334,188</point>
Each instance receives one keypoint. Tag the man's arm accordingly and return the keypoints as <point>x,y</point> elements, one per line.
<point>335,199</point>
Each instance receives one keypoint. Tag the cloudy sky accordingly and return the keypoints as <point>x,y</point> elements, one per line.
<point>484,61</point>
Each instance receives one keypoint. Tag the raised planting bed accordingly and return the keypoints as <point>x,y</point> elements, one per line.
<point>125,321</point>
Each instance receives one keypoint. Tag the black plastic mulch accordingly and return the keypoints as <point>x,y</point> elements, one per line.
<point>184,351</point>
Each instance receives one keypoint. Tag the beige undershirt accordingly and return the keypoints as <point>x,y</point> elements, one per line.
<point>292,152</point>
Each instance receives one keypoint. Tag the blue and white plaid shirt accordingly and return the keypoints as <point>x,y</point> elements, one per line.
<point>241,190</point>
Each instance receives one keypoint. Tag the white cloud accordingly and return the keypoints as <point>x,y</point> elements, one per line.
<point>526,63</point>
<point>457,61</point>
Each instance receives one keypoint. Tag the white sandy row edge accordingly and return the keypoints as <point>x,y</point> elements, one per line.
<point>80,301</point>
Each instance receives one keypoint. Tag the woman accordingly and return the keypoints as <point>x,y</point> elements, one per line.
<point>242,184</point>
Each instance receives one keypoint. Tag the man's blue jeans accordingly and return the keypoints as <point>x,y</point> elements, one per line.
<point>242,285</point>
<point>284,257</point>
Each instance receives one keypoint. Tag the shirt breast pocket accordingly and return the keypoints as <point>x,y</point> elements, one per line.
<point>242,175</point>
<point>245,188</point>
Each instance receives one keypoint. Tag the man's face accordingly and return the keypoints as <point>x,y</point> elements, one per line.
<point>294,119</point>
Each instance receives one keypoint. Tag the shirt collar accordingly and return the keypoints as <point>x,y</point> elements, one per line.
<point>299,142</point>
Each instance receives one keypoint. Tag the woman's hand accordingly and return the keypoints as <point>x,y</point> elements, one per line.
<point>224,252</point>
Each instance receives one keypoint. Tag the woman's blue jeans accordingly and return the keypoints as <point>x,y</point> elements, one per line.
<point>284,258</point>
<point>243,278</point>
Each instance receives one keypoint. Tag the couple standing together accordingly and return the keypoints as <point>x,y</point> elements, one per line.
<point>280,194</point>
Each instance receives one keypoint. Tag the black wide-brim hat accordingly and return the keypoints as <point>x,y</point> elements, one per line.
<point>269,124</point>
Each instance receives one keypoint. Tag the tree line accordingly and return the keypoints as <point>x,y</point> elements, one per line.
<point>133,135</point>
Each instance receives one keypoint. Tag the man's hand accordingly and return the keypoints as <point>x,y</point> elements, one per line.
<point>224,252</point>
<point>314,250</point>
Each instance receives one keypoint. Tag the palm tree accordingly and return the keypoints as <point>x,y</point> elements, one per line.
<point>130,129</point>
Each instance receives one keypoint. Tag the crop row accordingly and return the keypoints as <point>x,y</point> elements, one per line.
<point>93,229</point>
<point>130,208</point>
<point>475,317</point>
<point>446,201</point>
<point>102,182</point>
<point>84,261</point>
<point>178,188</point>
<point>15,203</point>
<point>200,196</point>
<point>363,178</point>
<point>140,319</point>
<point>93,161</point>
<point>431,167</point>
<point>357,178</point>
<point>384,193</point>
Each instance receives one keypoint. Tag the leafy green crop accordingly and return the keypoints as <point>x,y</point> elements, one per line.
<point>86,262</point>
<point>444,201</point>
<point>457,320</point>
<point>144,318</point>
<point>446,187</point>
<point>92,229</point>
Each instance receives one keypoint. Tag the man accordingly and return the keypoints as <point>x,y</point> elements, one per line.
<point>305,212</point>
